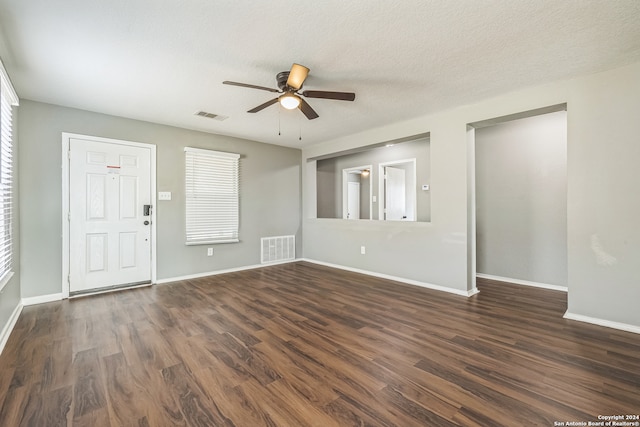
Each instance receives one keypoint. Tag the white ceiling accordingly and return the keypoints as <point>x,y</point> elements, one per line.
<point>163,60</point>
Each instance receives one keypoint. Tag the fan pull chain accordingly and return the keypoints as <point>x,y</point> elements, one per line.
<point>279,108</point>
<point>300,124</point>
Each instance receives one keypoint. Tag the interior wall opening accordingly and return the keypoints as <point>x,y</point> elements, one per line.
<point>368,166</point>
<point>519,195</point>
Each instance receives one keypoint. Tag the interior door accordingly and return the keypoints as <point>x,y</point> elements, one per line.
<point>109,233</point>
<point>395,194</point>
<point>353,200</point>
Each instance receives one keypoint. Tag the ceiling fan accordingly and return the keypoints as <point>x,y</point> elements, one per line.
<point>290,82</point>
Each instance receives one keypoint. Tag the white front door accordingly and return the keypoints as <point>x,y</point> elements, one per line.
<point>395,203</point>
<point>109,235</point>
<point>353,200</point>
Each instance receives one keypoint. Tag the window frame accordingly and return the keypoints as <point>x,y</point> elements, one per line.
<point>8,99</point>
<point>212,197</point>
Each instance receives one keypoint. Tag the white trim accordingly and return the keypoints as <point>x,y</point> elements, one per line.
<point>602,322</point>
<point>65,201</point>
<point>8,327</point>
<point>471,208</point>
<point>41,299</point>
<point>396,278</point>
<point>217,272</point>
<point>523,282</point>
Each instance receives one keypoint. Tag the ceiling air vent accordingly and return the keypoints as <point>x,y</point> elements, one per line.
<point>211,116</point>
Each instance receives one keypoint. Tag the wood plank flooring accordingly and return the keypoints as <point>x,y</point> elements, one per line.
<point>306,345</point>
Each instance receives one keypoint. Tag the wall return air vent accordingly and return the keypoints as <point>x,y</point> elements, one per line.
<point>277,249</point>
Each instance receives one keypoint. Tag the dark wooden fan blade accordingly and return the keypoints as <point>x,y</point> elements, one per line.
<point>341,96</point>
<point>307,110</point>
<point>226,82</point>
<point>297,76</point>
<point>263,106</point>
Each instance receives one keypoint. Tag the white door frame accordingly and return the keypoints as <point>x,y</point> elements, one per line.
<point>411,178</point>
<point>66,137</point>
<point>345,180</point>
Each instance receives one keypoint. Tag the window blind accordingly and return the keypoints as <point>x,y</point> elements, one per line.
<point>8,98</point>
<point>212,196</point>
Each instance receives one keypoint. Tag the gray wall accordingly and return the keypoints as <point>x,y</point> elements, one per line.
<point>269,193</point>
<point>329,176</point>
<point>329,180</point>
<point>603,205</point>
<point>521,199</point>
<point>603,202</point>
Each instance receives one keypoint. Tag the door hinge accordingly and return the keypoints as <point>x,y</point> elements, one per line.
<point>68,216</point>
<point>69,154</point>
<point>69,278</point>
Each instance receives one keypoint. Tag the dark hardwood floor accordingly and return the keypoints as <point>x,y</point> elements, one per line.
<point>305,345</point>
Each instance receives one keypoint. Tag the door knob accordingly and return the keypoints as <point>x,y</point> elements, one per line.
<point>146,223</point>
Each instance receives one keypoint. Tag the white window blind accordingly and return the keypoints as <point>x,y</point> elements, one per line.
<point>8,98</point>
<point>212,196</point>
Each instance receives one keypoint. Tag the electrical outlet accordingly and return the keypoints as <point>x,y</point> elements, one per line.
<point>363,250</point>
<point>209,251</point>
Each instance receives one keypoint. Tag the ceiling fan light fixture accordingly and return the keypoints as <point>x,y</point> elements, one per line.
<point>289,101</point>
<point>297,76</point>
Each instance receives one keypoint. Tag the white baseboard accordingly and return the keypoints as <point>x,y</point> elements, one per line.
<point>41,299</point>
<point>216,272</point>
<point>523,282</point>
<point>8,328</point>
<point>602,322</point>
<point>396,278</point>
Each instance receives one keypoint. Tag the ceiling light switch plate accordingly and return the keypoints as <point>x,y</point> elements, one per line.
<point>164,195</point>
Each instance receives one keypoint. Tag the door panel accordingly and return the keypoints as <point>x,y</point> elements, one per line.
<point>395,204</point>
<point>128,249</point>
<point>128,197</point>
<point>97,251</point>
<point>109,244</point>
<point>96,192</point>
<point>353,200</point>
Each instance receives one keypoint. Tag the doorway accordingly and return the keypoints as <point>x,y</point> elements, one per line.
<point>397,187</point>
<point>356,192</point>
<point>108,218</point>
<point>518,199</point>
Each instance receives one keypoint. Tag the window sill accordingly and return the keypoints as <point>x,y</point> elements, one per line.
<point>212,242</point>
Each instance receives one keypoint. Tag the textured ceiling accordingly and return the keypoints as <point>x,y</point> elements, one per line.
<point>163,60</point>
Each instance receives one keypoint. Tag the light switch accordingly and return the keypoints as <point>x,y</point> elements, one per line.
<point>164,195</point>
